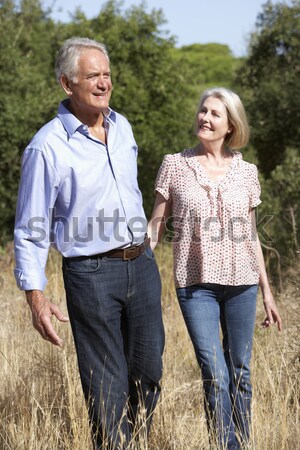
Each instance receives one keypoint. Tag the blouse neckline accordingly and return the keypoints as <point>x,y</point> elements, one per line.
<point>190,156</point>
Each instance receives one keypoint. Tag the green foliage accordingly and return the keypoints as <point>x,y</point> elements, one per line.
<point>204,66</point>
<point>271,83</point>
<point>28,92</point>
<point>154,86</point>
<point>270,86</point>
<point>157,87</point>
<point>145,78</point>
<point>280,202</point>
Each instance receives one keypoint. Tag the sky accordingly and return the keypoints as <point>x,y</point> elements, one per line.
<point>190,21</point>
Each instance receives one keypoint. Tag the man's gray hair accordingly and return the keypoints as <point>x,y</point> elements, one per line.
<point>68,55</point>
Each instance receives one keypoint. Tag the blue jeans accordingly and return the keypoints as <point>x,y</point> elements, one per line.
<point>115,313</point>
<point>225,365</point>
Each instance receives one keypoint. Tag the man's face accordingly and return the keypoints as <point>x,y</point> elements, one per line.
<point>92,87</point>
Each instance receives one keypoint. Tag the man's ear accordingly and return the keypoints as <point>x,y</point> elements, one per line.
<point>67,85</point>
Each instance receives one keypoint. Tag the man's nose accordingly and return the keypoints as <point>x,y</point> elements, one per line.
<point>101,82</point>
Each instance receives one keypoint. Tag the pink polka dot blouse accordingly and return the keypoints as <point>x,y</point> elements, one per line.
<point>213,241</point>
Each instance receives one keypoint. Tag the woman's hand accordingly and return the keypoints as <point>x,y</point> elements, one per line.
<point>157,223</point>
<point>273,315</point>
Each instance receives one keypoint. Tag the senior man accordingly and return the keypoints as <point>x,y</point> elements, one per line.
<point>79,193</point>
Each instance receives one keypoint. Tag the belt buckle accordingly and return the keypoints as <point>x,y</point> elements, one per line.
<point>131,253</point>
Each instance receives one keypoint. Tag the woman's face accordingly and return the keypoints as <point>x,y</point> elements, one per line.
<point>213,122</point>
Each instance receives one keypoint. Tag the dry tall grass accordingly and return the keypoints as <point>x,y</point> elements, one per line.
<point>41,401</point>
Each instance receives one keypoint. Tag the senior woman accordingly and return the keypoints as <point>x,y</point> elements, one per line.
<point>212,193</point>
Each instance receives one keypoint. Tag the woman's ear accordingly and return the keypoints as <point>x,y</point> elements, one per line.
<point>66,84</point>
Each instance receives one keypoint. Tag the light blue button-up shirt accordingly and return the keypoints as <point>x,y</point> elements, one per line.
<point>76,194</point>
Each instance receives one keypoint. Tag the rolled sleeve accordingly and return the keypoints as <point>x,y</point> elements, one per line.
<point>254,188</point>
<point>163,183</point>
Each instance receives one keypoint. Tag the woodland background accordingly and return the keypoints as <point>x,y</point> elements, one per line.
<point>157,87</point>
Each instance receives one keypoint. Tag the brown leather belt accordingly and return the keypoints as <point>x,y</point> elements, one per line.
<point>126,253</point>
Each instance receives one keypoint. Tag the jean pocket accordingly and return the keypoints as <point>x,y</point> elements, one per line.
<point>149,253</point>
<point>82,265</point>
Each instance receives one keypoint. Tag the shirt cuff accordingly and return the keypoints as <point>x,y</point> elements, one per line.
<point>29,282</point>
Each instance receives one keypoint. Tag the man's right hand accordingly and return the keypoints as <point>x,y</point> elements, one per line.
<point>42,310</point>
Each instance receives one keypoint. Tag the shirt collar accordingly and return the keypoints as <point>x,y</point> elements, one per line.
<point>111,116</point>
<point>72,124</point>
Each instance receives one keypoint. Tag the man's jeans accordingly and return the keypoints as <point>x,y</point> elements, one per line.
<point>225,365</point>
<point>116,318</point>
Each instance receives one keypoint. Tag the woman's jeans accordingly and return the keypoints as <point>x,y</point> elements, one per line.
<point>115,313</point>
<point>225,365</point>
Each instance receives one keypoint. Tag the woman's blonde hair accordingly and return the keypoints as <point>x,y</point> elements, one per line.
<point>239,136</point>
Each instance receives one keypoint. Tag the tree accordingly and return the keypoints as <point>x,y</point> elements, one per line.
<point>271,83</point>
<point>155,85</point>
<point>203,66</point>
<point>279,214</point>
<point>149,87</point>
<point>27,92</point>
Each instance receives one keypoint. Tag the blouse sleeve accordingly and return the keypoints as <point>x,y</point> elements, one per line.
<point>164,178</point>
<point>254,187</point>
